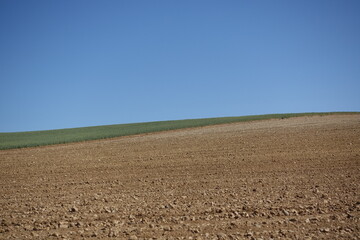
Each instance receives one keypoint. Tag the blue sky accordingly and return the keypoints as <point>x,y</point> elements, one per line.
<point>76,63</point>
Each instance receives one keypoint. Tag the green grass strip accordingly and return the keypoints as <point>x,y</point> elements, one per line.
<point>49,137</point>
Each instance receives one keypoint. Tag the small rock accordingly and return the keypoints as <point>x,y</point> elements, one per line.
<point>79,224</point>
<point>133,237</point>
<point>107,210</point>
<point>115,222</point>
<point>28,228</point>
<point>55,234</point>
<point>295,212</point>
<point>74,209</point>
<point>63,224</point>
<point>167,228</point>
<point>113,233</point>
<point>221,236</point>
<point>285,212</point>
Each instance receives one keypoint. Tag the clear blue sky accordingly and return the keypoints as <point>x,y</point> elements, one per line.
<point>77,63</point>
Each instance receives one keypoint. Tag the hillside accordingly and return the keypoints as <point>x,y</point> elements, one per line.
<point>295,178</point>
<point>41,138</point>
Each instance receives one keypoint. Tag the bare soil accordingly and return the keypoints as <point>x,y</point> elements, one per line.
<point>296,178</point>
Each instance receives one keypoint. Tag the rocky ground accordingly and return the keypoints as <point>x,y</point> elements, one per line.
<point>296,178</point>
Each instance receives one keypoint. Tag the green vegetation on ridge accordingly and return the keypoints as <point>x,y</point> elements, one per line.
<point>49,137</point>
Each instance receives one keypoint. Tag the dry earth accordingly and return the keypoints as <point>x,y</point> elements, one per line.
<point>295,178</point>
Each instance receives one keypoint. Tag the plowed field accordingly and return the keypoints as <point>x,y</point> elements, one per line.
<point>296,178</point>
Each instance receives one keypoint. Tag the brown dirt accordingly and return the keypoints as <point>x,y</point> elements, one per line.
<point>295,178</point>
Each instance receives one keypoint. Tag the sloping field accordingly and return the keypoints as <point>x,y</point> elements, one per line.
<point>295,178</point>
<point>58,136</point>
